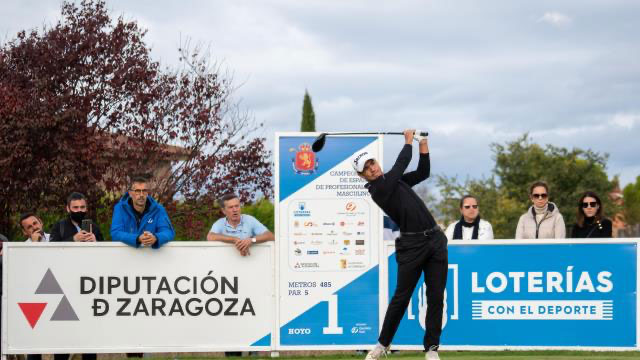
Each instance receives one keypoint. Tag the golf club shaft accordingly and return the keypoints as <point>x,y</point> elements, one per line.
<point>318,144</point>
<point>423,133</point>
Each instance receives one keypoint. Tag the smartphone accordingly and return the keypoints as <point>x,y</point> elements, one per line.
<point>87,225</point>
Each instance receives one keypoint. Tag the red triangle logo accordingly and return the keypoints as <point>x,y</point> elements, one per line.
<point>32,312</point>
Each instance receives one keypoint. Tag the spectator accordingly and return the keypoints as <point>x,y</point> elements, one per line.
<point>32,228</point>
<point>139,220</point>
<point>543,219</point>
<point>70,229</point>
<point>590,222</point>
<point>240,230</point>
<point>235,228</point>
<point>470,226</point>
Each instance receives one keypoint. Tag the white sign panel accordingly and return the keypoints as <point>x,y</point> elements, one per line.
<point>338,232</point>
<point>108,297</point>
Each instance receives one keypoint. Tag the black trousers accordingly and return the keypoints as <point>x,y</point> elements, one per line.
<point>415,256</point>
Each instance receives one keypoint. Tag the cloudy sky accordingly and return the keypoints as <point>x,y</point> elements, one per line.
<point>470,72</point>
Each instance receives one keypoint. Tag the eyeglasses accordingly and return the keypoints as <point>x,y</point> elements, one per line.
<point>140,191</point>
<point>539,196</point>
<point>470,206</point>
<point>592,204</point>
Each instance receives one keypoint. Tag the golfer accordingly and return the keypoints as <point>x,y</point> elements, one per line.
<point>421,247</point>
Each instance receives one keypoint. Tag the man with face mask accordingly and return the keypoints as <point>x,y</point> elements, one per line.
<point>70,228</point>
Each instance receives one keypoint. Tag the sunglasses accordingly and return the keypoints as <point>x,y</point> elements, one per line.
<point>539,196</point>
<point>470,206</point>
<point>592,204</point>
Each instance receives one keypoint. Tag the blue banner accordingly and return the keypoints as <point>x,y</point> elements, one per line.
<point>532,295</point>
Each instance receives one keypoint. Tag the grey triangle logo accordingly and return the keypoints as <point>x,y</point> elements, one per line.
<point>64,311</point>
<point>49,285</point>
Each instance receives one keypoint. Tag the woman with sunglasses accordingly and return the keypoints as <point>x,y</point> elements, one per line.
<point>543,219</point>
<point>470,226</point>
<point>590,222</point>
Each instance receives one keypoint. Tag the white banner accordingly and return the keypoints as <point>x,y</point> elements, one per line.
<point>108,297</point>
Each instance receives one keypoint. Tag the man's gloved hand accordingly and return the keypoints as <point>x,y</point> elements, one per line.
<point>417,137</point>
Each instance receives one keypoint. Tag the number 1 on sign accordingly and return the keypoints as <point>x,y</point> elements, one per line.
<point>332,327</point>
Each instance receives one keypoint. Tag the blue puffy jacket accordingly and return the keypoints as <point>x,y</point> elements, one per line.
<point>155,221</point>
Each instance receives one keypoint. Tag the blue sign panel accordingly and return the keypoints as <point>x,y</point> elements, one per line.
<point>357,316</point>
<point>532,295</point>
<point>296,158</point>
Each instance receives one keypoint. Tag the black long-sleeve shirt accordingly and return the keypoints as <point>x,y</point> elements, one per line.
<point>393,194</point>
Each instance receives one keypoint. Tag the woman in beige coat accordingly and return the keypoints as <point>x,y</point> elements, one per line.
<point>543,219</point>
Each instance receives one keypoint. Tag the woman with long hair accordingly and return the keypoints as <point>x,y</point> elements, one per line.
<point>590,222</point>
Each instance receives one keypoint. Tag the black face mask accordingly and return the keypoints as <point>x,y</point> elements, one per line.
<point>77,216</point>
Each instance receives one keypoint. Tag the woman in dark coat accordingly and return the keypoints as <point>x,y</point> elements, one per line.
<point>591,222</point>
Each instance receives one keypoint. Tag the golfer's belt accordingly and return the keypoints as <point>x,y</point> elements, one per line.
<point>427,232</point>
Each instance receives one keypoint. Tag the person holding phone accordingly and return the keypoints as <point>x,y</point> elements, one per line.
<point>76,227</point>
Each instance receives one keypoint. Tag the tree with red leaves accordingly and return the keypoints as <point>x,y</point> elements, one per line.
<point>83,106</point>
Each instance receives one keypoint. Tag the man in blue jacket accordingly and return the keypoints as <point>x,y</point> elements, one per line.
<point>139,220</point>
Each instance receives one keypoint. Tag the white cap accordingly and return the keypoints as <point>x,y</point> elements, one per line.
<point>360,159</point>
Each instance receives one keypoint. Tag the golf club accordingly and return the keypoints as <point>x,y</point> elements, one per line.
<point>318,143</point>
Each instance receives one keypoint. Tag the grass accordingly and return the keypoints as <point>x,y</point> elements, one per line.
<point>470,355</point>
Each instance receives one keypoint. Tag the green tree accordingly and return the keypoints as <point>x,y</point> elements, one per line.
<point>504,196</point>
<point>495,205</point>
<point>631,198</point>
<point>84,106</point>
<point>308,123</point>
<point>423,190</point>
<point>569,173</point>
<point>264,211</point>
